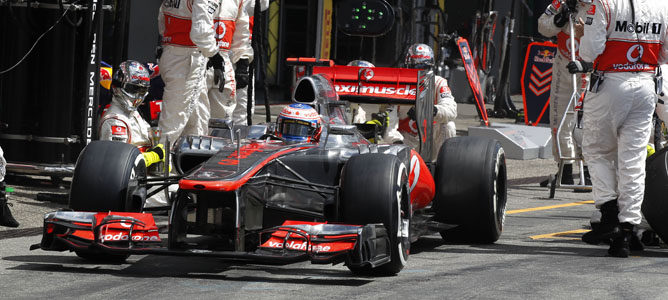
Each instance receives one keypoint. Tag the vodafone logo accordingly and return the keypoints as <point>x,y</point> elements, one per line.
<point>635,53</point>
<point>367,73</point>
<point>220,29</point>
<point>125,237</point>
<point>119,130</point>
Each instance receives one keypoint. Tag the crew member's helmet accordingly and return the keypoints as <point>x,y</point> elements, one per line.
<point>419,56</point>
<point>130,84</point>
<point>361,63</point>
<point>299,122</point>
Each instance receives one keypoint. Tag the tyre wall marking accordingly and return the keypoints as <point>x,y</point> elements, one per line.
<point>400,230</point>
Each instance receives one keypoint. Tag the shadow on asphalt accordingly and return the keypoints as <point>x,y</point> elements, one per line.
<point>186,267</point>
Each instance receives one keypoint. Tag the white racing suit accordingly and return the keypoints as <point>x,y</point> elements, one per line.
<point>444,120</point>
<point>188,39</point>
<point>245,51</point>
<point>128,126</point>
<point>618,118</point>
<point>231,32</point>
<point>561,88</point>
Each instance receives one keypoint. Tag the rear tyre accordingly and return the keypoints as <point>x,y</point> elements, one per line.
<point>471,189</point>
<point>374,190</point>
<point>655,206</point>
<point>106,179</point>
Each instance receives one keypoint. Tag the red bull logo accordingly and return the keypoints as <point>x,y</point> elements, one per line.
<point>544,56</point>
<point>105,77</point>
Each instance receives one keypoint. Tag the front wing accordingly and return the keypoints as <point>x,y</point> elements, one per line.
<point>117,233</point>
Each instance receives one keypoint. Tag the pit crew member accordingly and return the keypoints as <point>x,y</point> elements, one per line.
<point>384,115</point>
<point>627,40</point>
<point>554,22</point>
<point>241,58</point>
<point>421,56</point>
<point>231,24</point>
<point>6,218</point>
<point>188,42</point>
<point>122,122</point>
<point>299,123</point>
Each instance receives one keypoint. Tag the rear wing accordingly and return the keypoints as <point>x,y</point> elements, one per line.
<point>378,85</point>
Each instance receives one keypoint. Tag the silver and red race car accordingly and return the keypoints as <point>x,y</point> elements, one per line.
<point>243,193</point>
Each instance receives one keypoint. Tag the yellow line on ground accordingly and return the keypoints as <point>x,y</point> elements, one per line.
<point>517,211</point>
<point>556,235</point>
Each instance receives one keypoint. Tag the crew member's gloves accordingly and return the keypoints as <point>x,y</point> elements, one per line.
<point>561,18</point>
<point>580,66</point>
<point>411,113</point>
<point>218,64</point>
<point>154,155</point>
<point>382,121</point>
<point>241,74</point>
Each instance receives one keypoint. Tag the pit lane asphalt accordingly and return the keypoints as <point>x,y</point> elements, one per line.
<point>539,255</point>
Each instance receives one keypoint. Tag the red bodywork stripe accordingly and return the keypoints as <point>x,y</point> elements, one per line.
<point>232,185</point>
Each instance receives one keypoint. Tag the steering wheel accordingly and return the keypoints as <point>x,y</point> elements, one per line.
<point>271,136</point>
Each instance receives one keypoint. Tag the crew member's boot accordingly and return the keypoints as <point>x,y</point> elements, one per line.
<point>620,243</point>
<point>608,228</point>
<point>567,174</point>
<point>6,218</point>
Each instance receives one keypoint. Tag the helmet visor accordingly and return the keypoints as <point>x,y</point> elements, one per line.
<point>292,127</point>
<point>135,89</point>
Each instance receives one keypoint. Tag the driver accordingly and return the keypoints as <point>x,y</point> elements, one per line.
<point>122,122</point>
<point>299,122</point>
<point>421,56</point>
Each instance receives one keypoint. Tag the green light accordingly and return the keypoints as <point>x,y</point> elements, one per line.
<point>371,11</point>
<point>357,10</point>
<point>363,6</point>
<point>363,26</point>
<point>369,18</point>
<point>380,13</point>
<point>356,17</point>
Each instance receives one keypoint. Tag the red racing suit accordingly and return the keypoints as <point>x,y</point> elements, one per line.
<point>231,25</point>
<point>626,47</point>
<point>444,120</point>
<point>188,39</point>
<point>561,88</point>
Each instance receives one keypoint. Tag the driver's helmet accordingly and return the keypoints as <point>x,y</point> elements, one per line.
<point>419,56</point>
<point>298,122</point>
<point>361,63</point>
<point>130,84</point>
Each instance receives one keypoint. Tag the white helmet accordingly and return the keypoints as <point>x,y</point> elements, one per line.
<point>419,56</point>
<point>361,63</point>
<point>130,84</point>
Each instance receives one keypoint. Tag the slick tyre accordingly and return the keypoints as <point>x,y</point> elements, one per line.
<point>471,189</point>
<point>374,190</point>
<point>106,178</point>
<point>655,206</point>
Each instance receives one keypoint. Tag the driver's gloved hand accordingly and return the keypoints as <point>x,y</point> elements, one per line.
<point>241,74</point>
<point>218,64</point>
<point>154,155</point>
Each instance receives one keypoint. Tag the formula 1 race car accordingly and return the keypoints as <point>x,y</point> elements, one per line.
<point>246,194</point>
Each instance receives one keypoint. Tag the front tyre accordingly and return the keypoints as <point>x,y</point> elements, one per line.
<point>374,190</point>
<point>471,188</point>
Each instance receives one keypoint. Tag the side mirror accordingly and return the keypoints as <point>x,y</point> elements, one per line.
<point>364,18</point>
